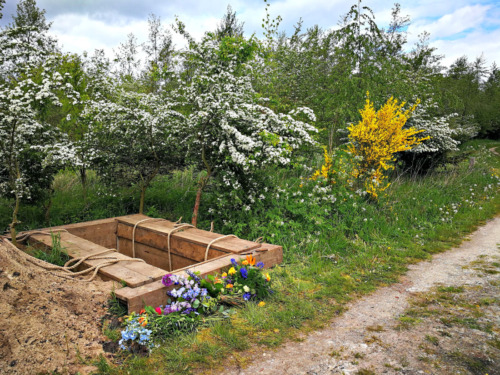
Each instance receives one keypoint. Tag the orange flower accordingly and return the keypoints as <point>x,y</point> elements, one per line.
<point>143,321</point>
<point>142,312</point>
<point>245,262</point>
<point>229,286</point>
<point>268,278</point>
<point>251,260</point>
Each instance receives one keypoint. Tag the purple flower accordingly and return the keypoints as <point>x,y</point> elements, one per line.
<point>193,276</point>
<point>260,265</point>
<point>244,272</point>
<point>233,261</point>
<point>166,280</point>
<point>247,296</point>
<point>167,310</point>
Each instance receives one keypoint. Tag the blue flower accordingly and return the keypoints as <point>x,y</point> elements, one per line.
<point>244,272</point>
<point>193,276</point>
<point>260,265</point>
<point>128,335</point>
<point>247,296</point>
<point>233,261</point>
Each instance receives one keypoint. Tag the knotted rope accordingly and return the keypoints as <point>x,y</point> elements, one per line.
<point>177,228</point>
<point>67,268</point>
<point>133,232</point>
<point>216,240</point>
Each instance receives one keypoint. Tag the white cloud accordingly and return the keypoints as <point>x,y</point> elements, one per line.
<point>453,23</point>
<point>88,24</point>
<point>472,45</point>
<point>78,33</point>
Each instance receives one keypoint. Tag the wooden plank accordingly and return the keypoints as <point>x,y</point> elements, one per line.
<point>133,273</point>
<point>101,232</point>
<point>155,294</point>
<point>151,255</point>
<point>160,241</point>
<point>192,235</point>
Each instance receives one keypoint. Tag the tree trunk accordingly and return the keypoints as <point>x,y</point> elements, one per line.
<point>48,207</point>
<point>83,181</point>
<point>14,223</point>
<point>194,220</point>
<point>144,185</point>
<point>141,202</point>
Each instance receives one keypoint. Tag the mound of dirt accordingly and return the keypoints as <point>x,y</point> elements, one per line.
<point>47,323</point>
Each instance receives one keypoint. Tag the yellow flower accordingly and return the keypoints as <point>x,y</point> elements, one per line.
<point>229,286</point>
<point>231,271</point>
<point>224,274</point>
<point>261,304</point>
<point>374,141</point>
<point>268,278</point>
<point>245,263</point>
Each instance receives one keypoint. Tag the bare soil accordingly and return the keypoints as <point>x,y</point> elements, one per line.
<point>419,325</point>
<point>48,324</point>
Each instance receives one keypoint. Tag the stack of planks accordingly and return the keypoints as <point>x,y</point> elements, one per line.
<point>143,280</point>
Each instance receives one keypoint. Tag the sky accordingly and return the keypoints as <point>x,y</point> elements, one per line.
<point>456,27</point>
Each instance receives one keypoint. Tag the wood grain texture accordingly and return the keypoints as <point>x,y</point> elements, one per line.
<point>131,272</point>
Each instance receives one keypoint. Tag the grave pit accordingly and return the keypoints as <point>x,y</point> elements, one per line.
<point>139,236</point>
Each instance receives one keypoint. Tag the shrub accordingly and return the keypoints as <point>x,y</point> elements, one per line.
<point>374,141</point>
<point>444,134</point>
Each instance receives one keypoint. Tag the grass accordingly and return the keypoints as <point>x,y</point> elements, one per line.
<point>333,252</point>
<point>56,255</point>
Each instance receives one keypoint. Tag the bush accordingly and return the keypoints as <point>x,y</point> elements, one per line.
<point>376,139</point>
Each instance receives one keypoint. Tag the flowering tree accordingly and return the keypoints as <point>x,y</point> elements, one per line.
<point>443,135</point>
<point>132,138</point>
<point>30,148</point>
<point>229,131</point>
<point>90,77</point>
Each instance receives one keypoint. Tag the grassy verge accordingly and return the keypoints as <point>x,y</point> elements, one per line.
<point>334,251</point>
<point>358,248</point>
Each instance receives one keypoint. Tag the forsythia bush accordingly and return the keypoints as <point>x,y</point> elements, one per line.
<point>374,141</point>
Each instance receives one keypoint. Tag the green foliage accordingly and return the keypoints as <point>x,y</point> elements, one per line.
<point>116,307</point>
<point>56,255</point>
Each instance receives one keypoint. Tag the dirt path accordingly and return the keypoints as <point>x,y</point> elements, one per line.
<point>409,327</point>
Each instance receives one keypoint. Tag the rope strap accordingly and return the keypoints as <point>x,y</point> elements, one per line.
<point>177,228</point>
<point>133,232</point>
<point>66,269</point>
<point>216,240</point>
<point>25,235</point>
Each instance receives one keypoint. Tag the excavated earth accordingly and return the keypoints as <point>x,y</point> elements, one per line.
<point>48,324</point>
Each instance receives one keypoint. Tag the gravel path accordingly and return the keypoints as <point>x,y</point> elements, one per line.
<point>364,336</point>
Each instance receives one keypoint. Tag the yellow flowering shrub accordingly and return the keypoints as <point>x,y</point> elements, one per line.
<point>326,171</point>
<point>374,141</point>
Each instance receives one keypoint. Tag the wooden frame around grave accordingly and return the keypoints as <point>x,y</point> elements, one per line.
<point>188,249</point>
